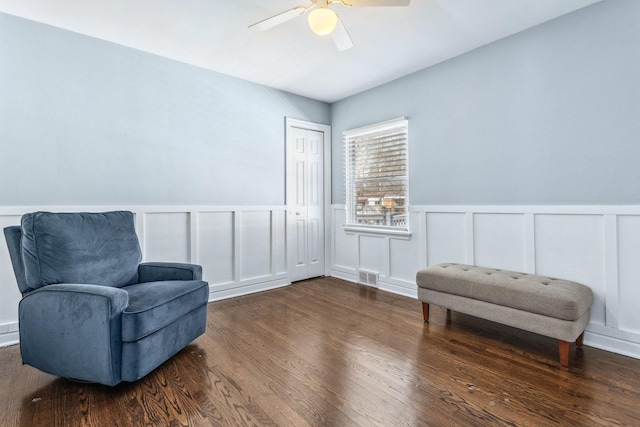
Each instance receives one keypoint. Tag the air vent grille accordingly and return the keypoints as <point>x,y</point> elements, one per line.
<point>368,278</point>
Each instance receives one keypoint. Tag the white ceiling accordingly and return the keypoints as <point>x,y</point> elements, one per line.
<point>213,34</point>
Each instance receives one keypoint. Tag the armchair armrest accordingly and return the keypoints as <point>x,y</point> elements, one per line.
<point>158,271</point>
<point>74,330</point>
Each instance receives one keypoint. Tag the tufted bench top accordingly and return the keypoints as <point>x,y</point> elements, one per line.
<point>560,299</point>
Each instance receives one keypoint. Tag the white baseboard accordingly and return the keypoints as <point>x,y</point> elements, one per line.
<point>340,274</point>
<point>9,334</point>
<point>398,289</point>
<point>615,341</point>
<point>12,338</point>
<point>612,344</point>
<point>246,290</point>
<point>383,285</point>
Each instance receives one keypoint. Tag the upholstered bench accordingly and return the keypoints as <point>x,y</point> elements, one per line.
<point>552,307</point>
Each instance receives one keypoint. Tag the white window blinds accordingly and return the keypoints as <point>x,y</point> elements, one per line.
<point>377,175</point>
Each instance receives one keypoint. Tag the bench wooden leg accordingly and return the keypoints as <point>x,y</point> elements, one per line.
<point>580,340</point>
<point>563,349</point>
<point>425,311</point>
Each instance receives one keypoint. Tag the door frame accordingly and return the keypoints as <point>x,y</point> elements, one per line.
<point>326,199</point>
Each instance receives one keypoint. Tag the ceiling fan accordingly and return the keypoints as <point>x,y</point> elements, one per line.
<point>324,21</point>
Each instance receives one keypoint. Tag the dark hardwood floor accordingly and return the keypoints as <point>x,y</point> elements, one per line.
<point>329,352</point>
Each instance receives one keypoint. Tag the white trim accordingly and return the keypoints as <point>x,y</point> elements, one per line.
<point>9,334</point>
<point>8,339</point>
<point>21,210</point>
<point>602,337</point>
<point>193,237</point>
<point>345,274</point>
<point>237,238</point>
<point>530,243</point>
<point>469,239</point>
<point>531,209</point>
<point>229,286</point>
<point>218,295</point>
<point>379,129</point>
<point>614,333</point>
<point>376,127</point>
<point>398,288</point>
<point>376,231</point>
<point>611,270</point>
<point>139,225</point>
<point>272,241</point>
<point>422,231</point>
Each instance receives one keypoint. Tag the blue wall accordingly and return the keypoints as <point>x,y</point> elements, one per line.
<point>548,116</point>
<point>87,122</point>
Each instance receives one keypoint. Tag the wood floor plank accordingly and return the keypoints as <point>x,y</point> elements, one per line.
<point>329,352</point>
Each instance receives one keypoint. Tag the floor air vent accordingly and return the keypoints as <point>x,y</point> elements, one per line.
<point>368,278</point>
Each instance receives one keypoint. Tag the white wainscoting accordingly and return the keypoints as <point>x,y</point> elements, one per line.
<point>595,245</point>
<point>241,249</point>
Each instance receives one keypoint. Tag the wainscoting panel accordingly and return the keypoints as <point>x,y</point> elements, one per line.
<point>279,241</point>
<point>215,246</point>
<point>447,240</point>
<point>405,259</point>
<point>254,244</point>
<point>166,236</point>
<point>595,245</point>
<point>373,255</point>
<point>499,241</point>
<point>241,249</point>
<point>394,258</point>
<point>345,247</point>
<point>628,313</point>
<point>572,247</point>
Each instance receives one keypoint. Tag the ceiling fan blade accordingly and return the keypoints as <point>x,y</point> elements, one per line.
<point>278,19</point>
<point>341,37</point>
<point>375,3</point>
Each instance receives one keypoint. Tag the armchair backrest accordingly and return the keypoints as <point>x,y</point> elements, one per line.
<point>90,248</point>
<point>13,234</point>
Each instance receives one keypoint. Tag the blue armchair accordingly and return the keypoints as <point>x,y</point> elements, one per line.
<point>90,310</point>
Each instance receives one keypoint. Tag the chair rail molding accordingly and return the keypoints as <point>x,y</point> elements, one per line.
<point>242,249</point>
<point>597,245</point>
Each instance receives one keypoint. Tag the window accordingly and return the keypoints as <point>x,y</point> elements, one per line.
<point>377,176</point>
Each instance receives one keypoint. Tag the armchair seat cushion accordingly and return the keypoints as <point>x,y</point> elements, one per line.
<point>154,305</point>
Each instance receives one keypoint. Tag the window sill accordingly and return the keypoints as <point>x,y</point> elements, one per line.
<point>380,232</point>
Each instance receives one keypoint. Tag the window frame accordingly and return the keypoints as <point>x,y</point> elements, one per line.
<point>349,138</point>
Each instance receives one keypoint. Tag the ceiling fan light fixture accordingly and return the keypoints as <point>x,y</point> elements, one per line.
<point>323,21</point>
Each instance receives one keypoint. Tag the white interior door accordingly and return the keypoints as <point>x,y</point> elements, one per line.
<point>305,203</point>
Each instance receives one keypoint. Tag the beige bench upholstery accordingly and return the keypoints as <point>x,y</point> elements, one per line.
<point>552,307</point>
